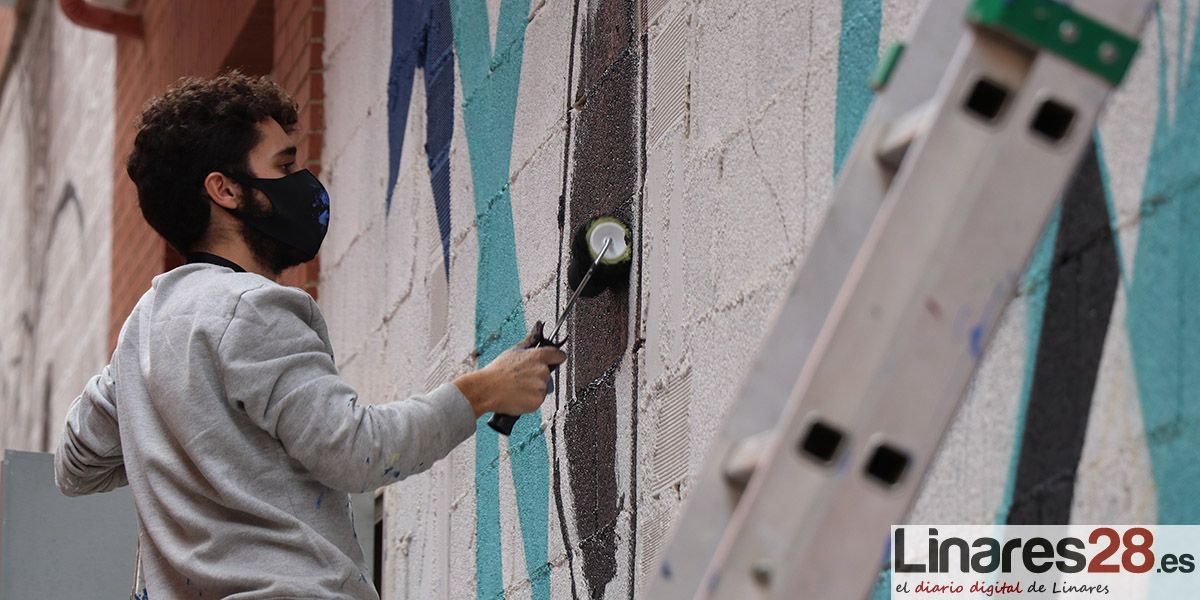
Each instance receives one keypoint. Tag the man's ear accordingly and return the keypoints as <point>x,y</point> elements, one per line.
<point>222,189</point>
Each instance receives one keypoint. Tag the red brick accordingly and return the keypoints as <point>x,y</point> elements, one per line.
<point>316,84</point>
<point>290,71</point>
<point>317,28</point>
<point>312,115</point>
<point>198,38</point>
<point>189,38</point>
<point>287,38</point>
<point>310,148</point>
<point>316,51</point>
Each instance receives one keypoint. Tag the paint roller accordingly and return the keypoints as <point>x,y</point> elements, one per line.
<point>600,259</point>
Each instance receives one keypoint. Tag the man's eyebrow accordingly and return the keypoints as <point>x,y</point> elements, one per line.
<point>289,151</point>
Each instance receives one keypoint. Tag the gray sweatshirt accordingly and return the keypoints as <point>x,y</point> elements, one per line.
<point>223,411</point>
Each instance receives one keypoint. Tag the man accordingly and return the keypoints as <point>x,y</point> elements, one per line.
<point>221,407</point>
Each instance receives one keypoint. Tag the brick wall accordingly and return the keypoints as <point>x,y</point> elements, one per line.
<point>278,37</point>
<point>8,25</point>
<point>297,66</point>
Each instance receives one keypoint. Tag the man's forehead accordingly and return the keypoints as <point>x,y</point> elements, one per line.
<point>274,141</point>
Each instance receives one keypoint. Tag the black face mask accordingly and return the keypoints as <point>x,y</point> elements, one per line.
<point>300,211</point>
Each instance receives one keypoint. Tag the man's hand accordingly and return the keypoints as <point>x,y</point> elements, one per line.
<point>515,382</point>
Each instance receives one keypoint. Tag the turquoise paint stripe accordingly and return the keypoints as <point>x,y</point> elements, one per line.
<point>472,41</point>
<point>490,80</point>
<point>531,477</point>
<point>1180,59</point>
<point>1162,318</point>
<point>489,572</point>
<point>858,51</point>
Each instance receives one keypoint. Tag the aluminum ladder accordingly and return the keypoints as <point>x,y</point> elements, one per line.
<point>977,125</point>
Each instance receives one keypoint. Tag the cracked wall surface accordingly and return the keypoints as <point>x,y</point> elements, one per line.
<point>465,143</point>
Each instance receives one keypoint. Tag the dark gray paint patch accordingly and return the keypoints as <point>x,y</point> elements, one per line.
<point>1083,284</point>
<point>605,171</point>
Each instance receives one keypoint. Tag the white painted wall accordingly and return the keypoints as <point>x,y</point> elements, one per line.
<point>56,129</point>
<point>743,156</point>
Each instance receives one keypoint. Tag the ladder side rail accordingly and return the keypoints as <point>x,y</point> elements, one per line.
<point>791,486</point>
<point>979,239</point>
<point>935,358</point>
<point>798,318</point>
<point>931,363</point>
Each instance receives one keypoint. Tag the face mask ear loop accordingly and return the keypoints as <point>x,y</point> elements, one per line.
<point>245,183</point>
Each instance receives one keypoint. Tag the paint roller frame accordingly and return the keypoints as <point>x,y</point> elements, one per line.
<point>610,273</point>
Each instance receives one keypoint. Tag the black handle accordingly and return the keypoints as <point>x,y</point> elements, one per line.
<point>502,423</point>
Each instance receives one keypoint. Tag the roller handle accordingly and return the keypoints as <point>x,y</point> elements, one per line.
<point>502,423</point>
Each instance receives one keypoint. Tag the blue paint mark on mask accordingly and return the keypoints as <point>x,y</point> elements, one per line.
<point>322,202</point>
<point>421,37</point>
<point>490,79</point>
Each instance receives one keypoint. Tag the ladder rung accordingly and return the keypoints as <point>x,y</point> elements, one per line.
<point>744,458</point>
<point>898,136</point>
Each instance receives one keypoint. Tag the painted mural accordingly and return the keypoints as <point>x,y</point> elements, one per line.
<point>604,178</point>
<point>574,474</point>
<point>1163,328</point>
<point>421,38</point>
<point>606,130</point>
<point>490,76</point>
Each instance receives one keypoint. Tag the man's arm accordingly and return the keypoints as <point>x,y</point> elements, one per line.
<point>89,458</point>
<point>279,371</point>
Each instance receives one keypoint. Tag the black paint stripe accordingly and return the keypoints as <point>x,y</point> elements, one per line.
<point>604,180</point>
<point>1083,284</point>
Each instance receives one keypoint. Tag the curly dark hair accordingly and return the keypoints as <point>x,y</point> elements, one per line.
<point>194,128</point>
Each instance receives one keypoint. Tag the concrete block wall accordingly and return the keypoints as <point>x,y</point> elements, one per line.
<point>56,139</point>
<point>466,141</point>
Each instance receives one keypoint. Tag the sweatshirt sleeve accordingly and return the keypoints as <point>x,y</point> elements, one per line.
<point>279,371</point>
<point>88,458</point>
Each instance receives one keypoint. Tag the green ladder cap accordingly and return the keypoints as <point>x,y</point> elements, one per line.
<point>1058,28</point>
<point>887,64</point>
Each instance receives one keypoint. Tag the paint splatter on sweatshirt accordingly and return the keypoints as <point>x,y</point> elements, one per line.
<point>223,411</point>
